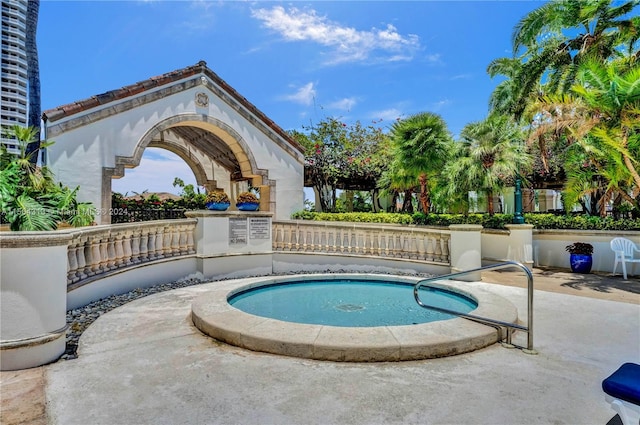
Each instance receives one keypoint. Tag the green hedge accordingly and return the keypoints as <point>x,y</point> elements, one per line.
<point>497,221</point>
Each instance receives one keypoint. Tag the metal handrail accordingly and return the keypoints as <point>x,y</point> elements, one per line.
<point>510,326</point>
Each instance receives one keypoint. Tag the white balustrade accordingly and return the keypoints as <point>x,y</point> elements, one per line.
<point>97,250</point>
<point>392,241</point>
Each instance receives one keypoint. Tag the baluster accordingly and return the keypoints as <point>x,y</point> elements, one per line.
<point>127,240</point>
<point>438,252</point>
<point>135,247</point>
<point>88,261</point>
<point>316,240</point>
<point>104,258</point>
<point>430,248</point>
<point>390,246</point>
<point>280,237</point>
<point>72,263</point>
<point>111,253</point>
<point>398,245</point>
<point>81,260</point>
<point>94,263</point>
<point>175,242</point>
<point>297,238</point>
<point>362,241</point>
<point>421,247</point>
<point>332,240</point>
<point>376,244</point>
<point>384,249</point>
<point>413,246</point>
<point>323,242</point>
<point>159,242</point>
<point>144,247</point>
<point>120,260</point>
<point>168,239</point>
<point>359,242</point>
<point>289,238</point>
<point>151,244</point>
<point>308,240</point>
<point>352,243</point>
<point>445,250</point>
<point>406,245</point>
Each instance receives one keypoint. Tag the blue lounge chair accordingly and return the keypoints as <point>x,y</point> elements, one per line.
<point>622,389</point>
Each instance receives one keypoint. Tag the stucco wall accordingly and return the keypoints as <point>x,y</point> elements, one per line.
<point>549,247</point>
<point>81,151</point>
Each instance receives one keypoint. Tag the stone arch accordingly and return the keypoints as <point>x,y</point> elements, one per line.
<point>223,132</point>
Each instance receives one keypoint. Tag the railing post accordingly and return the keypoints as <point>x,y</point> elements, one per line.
<point>520,244</point>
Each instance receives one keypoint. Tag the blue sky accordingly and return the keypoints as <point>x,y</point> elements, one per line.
<point>298,62</point>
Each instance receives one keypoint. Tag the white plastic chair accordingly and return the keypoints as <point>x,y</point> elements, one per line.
<point>624,250</point>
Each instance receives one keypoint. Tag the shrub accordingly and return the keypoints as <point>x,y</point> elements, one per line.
<point>218,197</point>
<point>246,197</point>
<point>496,221</point>
<point>580,248</point>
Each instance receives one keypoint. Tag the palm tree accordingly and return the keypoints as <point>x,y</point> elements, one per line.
<point>421,143</point>
<point>601,116</point>
<point>490,156</point>
<point>33,77</point>
<point>559,35</point>
<point>395,180</point>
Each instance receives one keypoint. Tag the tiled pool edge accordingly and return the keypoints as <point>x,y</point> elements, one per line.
<point>213,316</point>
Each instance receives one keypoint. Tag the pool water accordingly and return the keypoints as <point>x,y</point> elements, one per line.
<point>349,303</point>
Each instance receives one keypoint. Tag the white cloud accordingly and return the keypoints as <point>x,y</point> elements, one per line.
<point>345,104</point>
<point>348,44</point>
<point>461,77</point>
<point>201,19</point>
<point>434,59</point>
<point>387,114</point>
<point>305,95</point>
<point>436,106</point>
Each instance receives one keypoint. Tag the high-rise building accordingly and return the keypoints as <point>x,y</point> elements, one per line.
<point>13,103</point>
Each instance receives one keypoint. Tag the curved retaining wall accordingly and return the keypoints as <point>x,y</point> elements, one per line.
<point>33,297</point>
<point>43,274</point>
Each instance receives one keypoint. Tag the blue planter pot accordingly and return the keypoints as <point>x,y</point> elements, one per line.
<point>248,206</point>
<point>580,263</point>
<point>217,206</point>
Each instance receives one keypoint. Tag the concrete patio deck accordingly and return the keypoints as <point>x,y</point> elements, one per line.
<point>145,363</point>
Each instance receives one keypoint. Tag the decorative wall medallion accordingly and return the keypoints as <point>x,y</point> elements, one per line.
<point>204,80</point>
<point>202,100</point>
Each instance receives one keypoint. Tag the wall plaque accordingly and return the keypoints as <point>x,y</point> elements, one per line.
<point>237,231</point>
<point>259,228</point>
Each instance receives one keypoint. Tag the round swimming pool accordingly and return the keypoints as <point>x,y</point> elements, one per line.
<point>215,316</point>
<point>349,302</point>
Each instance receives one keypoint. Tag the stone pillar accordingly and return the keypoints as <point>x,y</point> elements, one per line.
<point>222,235</point>
<point>520,247</point>
<point>546,200</point>
<point>466,250</point>
<point>528,200</point>
<point>265,199</point>
<point>33,293</point>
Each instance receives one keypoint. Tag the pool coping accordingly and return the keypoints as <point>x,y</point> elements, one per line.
<point>215,317</point>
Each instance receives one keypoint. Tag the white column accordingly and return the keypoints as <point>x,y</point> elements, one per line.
<point>466,250</point>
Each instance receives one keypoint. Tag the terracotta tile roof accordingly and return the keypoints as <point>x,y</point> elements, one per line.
<point>70,109</point>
